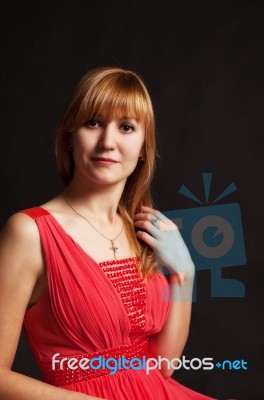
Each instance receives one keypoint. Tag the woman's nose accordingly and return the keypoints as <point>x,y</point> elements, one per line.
<point>107,137</point>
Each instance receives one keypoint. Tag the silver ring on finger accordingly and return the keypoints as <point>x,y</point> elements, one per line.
<point>154,221</point>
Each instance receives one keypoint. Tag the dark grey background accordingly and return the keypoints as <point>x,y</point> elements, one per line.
<point>203,63</point>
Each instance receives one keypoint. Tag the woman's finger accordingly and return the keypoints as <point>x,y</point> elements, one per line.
<point>157,219</point>
<point>157,213</point>
<point>149,227</point>
<point>147,238</point>
<point>146,217</point>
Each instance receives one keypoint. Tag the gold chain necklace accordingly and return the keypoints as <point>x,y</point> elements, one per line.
<point>113,247</point>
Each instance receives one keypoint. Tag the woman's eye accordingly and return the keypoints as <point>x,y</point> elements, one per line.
<point>127,128</point>
<point>92,123</point>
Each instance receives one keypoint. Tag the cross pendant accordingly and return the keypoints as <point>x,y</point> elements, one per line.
<point>113,248</point>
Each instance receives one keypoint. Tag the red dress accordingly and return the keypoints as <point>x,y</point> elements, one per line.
<point>92,310</point>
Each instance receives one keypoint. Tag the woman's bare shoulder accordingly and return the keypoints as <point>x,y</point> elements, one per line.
<point>19,224</point>
<point>20,243</point>
<point>22,222</point>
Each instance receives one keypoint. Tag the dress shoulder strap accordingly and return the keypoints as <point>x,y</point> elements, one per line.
<point>35,212</point>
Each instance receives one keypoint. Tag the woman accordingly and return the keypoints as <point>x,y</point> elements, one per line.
<point>82,271</point>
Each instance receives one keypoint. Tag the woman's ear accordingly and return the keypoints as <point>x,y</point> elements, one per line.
<point>142,152</point>
<point>141,156</point>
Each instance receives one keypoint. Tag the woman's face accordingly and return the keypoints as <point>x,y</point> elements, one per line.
<point>107,151</point>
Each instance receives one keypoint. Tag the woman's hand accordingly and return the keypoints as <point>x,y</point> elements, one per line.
<point>163,236</point>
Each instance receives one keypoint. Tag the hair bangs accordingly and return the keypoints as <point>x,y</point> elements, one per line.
<point>120,98</point>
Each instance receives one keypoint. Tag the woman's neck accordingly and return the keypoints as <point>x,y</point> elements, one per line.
<point>100,202</point>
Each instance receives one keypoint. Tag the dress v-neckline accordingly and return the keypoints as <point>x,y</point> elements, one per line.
<point>118,260</point>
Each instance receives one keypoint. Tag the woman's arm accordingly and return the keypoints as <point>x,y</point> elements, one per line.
<point>170,341</point>
<point>163,236</point>
<point>21,263</point>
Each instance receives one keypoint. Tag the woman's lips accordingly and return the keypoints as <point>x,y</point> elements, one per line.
<point>104,161</point>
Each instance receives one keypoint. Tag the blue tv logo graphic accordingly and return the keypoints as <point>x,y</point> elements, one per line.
<point>214,237</point>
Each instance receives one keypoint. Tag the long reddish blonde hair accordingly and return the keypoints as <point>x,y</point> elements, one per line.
<point>109,92</point>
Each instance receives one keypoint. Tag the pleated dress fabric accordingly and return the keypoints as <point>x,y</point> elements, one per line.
<point>100,312</point>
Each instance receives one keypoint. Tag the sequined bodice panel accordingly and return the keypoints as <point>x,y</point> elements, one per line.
<point>125,278</point>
